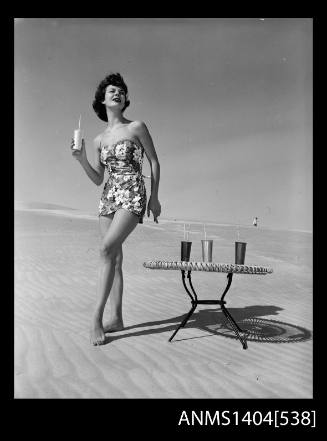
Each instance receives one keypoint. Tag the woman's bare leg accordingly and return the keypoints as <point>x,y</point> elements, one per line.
<point>115,322</point>
<point>122,224</point>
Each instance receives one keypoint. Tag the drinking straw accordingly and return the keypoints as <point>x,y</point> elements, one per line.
<point>184,232</point>
<point>205,233</point>
<point>79,122</point>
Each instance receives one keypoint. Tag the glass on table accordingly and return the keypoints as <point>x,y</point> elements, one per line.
<point>185,250</point>
<point>240,248</point>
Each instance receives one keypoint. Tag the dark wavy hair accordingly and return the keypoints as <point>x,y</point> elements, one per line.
<point>114,79</point>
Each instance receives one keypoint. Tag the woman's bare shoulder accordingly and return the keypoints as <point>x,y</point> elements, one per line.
<point>97,141</point>
<point>137,123</point>
<point>138,127</point>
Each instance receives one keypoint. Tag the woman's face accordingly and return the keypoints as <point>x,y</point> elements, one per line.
<point>114,97</point>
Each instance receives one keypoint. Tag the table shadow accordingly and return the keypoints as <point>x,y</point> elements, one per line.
<point>213,321</point>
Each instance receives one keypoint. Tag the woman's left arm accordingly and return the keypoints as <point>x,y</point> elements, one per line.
<point>142,132</point>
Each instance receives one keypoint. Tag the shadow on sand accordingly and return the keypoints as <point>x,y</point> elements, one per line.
<point>213,321</point>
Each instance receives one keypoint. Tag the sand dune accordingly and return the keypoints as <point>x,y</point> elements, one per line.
<point>56,258</point>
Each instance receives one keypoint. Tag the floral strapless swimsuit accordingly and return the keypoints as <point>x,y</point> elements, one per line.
<point>125,186</point>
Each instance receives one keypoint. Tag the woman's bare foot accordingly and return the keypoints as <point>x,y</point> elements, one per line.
<point>113,326</point>
<point>97,336</point>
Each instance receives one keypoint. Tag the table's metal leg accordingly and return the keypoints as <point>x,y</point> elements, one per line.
<point>230,278</point>
<point>235,327</point>
<point>183,323</point>
<point>193,297</point>
<point>194,305</point>
<point>229,316</point>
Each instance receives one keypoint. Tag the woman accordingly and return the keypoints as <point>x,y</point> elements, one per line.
<point>120,150</point>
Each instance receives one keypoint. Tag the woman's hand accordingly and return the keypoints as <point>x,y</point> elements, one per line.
<point>79,155</point>
<point>155,207</point>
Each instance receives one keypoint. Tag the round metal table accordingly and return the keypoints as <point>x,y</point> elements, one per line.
<point>228,268</point>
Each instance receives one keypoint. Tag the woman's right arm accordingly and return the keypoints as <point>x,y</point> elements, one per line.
<point>95,173</point>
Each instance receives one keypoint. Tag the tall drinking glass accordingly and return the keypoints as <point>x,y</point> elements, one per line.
<point>240,248</point>
<point>207,250</point>
<point>185,250</point>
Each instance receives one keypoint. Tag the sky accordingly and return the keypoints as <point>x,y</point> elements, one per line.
<point>228,103</point>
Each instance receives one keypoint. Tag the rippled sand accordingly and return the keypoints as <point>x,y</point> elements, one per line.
<point>56,259</point>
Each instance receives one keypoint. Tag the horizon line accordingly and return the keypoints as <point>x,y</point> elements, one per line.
<point>166,218</point>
